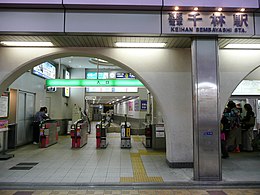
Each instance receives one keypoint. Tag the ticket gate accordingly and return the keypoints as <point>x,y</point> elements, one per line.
<point>125,135</point>
<point>147,142</point>
<point>48,133</point>
<point>101,134</point>
<point>79,134</point>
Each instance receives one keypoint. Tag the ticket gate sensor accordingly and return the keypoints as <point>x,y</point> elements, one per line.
<point>125,135</point>
<point>79,134</point>
<point>101,135</point>
<point>148,136</point>
<point>48,133</point>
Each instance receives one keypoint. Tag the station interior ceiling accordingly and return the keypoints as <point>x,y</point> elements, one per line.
<point>109,40</point>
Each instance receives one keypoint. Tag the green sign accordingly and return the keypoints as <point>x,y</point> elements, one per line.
<point>93,83</point>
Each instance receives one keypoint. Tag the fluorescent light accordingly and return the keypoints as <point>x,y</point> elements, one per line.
<point>242,9</point>
<point>243,46</point>
<point>196,9</point>
<point>176,8</point>
<point>26,44</point>
<point>128,44</point>
<point>220,9</point>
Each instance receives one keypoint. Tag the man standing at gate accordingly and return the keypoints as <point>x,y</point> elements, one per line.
<point>38,118</point>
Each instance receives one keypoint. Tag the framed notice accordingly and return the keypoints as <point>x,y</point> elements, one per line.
<point>159,128</point>
<point>4,106</point>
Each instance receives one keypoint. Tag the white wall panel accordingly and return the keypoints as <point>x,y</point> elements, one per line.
<point>113,22</point>
<point>31,20</point>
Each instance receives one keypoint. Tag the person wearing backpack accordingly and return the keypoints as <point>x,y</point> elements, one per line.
<point>248,123</point>
<point>234,138</point>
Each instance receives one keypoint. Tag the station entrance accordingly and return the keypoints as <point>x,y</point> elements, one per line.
<point>65,102</point>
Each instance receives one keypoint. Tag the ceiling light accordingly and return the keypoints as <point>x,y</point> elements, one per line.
<point>26,44</point>
<point>128,44</point>
<point>242,9</point>
<point>176,8</point>
<point>220,9</point>
<point>196,9</point>
<point>243,46</point>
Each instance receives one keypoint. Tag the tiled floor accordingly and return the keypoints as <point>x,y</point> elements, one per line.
<point>136,192</point>
<point>59,164</point>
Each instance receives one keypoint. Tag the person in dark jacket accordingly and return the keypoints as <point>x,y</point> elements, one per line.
<point>248,123</point>
<point>38,118</point>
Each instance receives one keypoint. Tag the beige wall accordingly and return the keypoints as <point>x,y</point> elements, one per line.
<point>165,72</point>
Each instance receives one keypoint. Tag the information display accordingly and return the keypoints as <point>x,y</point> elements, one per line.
<point>248,87</point>
<point>111,89</point>
<point>45,70</point>
<point>4,106</point>
<point>67,89</point>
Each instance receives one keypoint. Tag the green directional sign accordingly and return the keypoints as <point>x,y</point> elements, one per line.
<point>93,83</point>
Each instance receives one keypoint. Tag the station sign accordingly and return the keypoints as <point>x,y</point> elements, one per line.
<point>215,23</point>
<point>93,83</point>
<point>111,89</point>
<point>124,75</point>
<point>143,105</point>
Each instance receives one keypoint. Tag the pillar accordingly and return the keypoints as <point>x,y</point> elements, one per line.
<point>205,77</point>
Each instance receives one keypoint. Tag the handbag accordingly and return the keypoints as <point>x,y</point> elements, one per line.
<point>250,122</point>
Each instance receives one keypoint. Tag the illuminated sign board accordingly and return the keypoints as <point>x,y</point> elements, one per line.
<point>124,75</point>
<point>215,23</point>
<point>93,83</point>
<point>45,70</point>
<point>67,89</point>
<point>112,89</point>
<point>93,75</point>
<point>248,87</point>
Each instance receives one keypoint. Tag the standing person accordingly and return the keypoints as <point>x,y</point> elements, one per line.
<point>234,138</point>
<point>224,130</point>
<point>248,123</point>
<point>38,118</point>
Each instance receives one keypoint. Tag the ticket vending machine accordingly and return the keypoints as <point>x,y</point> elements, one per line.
<point>125,135</point>
<point>79,134</point>
<point>48,133</point>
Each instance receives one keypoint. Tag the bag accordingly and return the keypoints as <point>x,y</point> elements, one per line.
<point>251,122</point>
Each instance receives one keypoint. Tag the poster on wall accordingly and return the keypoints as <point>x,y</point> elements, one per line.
<point>143,105</point>
<point>137,105</point>
<point>130,106</point>
<point>4,106</point>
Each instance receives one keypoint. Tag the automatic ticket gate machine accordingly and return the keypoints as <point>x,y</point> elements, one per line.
<point>48,133</point>
<point>125,134</point>
<point>79,134</point>
<point>101,134</point>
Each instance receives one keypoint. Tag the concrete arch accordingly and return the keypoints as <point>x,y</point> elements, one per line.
<point>14,74</point>
<point>235,65</point>
<point>165,72</point>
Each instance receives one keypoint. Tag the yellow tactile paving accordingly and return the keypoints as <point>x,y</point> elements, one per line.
<point>137,138</point>
<point>139,173</point>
